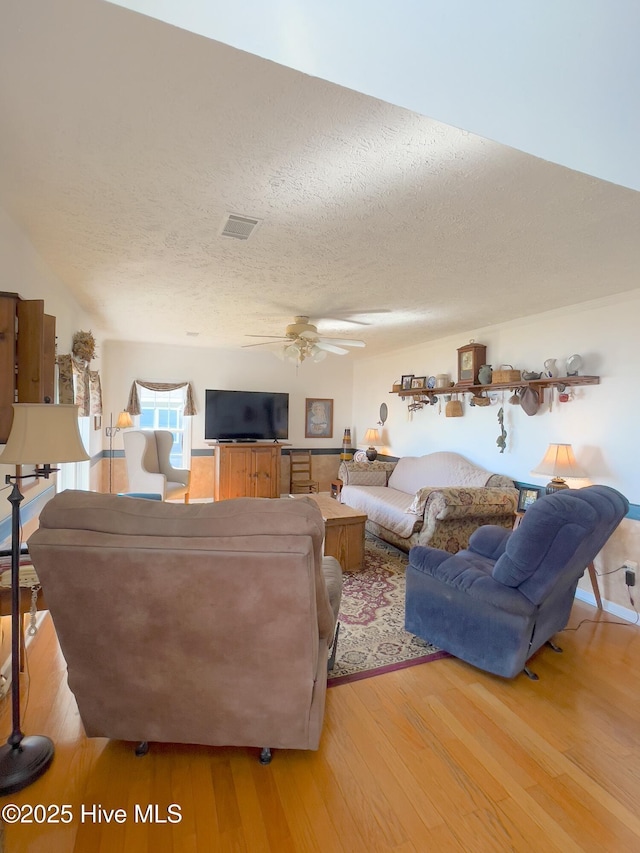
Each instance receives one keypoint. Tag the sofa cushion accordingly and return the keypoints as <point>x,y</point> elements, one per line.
<point>436,469</point>
<point>367,478</point>
<point>374,473</point>
<point>383,505</point>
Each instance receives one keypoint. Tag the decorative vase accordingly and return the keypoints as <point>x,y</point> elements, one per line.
<point>346,454</point>
<point>551,369</point>
<point>484,374</point>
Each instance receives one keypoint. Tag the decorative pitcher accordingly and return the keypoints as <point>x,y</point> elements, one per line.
<point>484,374</point>
<point>550,368</point>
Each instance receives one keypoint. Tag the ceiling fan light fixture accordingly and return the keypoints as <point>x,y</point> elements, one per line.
<point>293,353</point>
<point>302,341</point>
<point>317,354</point>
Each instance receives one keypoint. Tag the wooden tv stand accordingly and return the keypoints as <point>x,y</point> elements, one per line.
<point>246,470</point>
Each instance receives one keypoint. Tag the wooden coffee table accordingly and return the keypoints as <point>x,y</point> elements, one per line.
<point>344,532</point>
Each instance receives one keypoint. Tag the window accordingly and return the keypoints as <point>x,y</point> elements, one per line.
<point>75,475</point>
<point>165,410</point>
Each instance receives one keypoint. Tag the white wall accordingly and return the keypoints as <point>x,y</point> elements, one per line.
<point>24,273</point>
<point>601,422</point>
<point>231,370</point>
<point>554,78</point>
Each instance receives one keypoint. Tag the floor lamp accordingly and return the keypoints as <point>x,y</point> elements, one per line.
<point>39,431</point>
<point>124,422</point>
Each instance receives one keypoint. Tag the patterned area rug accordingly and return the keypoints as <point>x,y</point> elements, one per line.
<point>372,638</point>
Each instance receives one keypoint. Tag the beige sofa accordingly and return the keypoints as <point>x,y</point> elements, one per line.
<point>438,499</point>
<point>201,623</point>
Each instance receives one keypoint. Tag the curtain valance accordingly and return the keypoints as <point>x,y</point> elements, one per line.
<point>133,405</point>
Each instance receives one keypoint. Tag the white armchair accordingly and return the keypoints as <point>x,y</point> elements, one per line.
<point>149,470</point>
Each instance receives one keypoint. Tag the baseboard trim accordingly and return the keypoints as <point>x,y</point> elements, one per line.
<point>609,606</point>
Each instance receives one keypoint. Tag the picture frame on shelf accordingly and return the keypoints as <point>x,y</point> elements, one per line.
<point>527,496</point>
<point>406,381</point>
<point>318,418</point>
<point>419,382</point>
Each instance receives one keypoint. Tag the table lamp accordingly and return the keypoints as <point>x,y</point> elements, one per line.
<point>40,431</point>
<point>559,462</point>
<point>372,437</point>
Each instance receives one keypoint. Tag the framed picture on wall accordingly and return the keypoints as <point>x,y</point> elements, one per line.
<point>526,497</point>
<point>318,419</point>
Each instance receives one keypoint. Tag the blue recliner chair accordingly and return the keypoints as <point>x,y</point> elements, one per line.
<point>497,602</point>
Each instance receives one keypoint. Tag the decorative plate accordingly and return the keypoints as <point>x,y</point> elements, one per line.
<point>574,363</point>
<point>431,382</point>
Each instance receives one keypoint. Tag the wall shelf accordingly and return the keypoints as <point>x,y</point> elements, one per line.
<point>559,382</point>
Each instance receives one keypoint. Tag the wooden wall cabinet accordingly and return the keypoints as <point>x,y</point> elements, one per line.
<point>246,471</point>
<point>27,356</point>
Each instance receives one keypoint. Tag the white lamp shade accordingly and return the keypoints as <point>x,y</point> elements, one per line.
<point>43,433</point>
<point>371,437</point>
<point>559,462</point>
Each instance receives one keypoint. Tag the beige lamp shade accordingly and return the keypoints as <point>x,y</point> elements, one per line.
<point>43,433</point>
<point>371,437</point>
<point>124,421</point>
<point>559,463</point>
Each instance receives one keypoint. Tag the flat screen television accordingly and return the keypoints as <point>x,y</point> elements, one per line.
<point>246,416</point>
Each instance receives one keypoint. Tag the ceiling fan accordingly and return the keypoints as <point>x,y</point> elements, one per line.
<point>303,340</point>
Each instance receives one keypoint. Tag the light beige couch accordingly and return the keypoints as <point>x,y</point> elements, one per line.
<point>201,623</point>
<point>438,499</point>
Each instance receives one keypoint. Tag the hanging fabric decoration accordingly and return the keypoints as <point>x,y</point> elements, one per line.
<point>65,379</point>
<point>95,393</point>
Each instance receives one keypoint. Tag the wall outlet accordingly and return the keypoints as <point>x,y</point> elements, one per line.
<point>630,569</point>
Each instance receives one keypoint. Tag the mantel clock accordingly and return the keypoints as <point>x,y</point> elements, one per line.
<point>470,358</point>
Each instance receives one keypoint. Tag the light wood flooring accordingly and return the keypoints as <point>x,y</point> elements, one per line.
<point>438,757</point>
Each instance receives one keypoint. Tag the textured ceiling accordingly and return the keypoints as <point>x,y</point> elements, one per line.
<point>125,142</point>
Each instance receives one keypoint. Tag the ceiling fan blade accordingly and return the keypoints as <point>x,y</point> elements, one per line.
<point>348,316</point>
<point>263,343</point>
<point>342,342</point>
<point>331,348</point>
<point>275,337</point>
<point>344,320</point>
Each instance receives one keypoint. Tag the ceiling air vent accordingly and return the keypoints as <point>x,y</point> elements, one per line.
<point>240,227</point>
